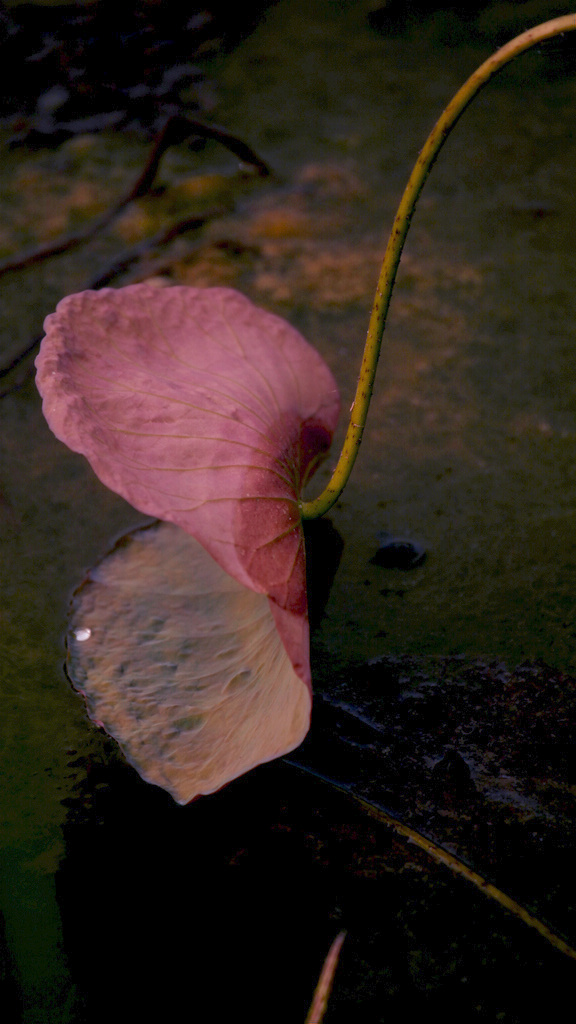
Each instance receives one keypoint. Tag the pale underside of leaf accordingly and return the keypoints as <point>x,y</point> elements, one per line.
<point>184,666</point>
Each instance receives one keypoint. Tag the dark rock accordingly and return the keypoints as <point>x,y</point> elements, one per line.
<point>398,553</point>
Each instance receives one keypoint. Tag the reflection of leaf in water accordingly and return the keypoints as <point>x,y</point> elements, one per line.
<point>183,665</point>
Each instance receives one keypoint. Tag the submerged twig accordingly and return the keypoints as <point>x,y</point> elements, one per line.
<point>163,237</point>
<point>442,856</point>
<point>24,354</point>
<point>118,266</point>
<point>323,988</point>
<point>176,129</point>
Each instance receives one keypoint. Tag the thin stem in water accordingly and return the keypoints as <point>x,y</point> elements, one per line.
<point>438,135</point>
<point>443,856</point>
<point>324,986</point>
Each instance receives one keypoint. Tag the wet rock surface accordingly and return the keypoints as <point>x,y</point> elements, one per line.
<point>476,753</point>
<point>469,753</point>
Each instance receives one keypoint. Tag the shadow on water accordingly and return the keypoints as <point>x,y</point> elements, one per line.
<point>446,690</point>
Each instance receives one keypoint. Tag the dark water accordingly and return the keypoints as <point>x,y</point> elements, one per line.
<point>114,901</point>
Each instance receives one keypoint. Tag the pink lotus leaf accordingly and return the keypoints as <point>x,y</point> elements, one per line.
<point>203,410</point>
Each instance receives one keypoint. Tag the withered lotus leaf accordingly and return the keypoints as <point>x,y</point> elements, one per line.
<point>205,411</point>
<point>183,665</point>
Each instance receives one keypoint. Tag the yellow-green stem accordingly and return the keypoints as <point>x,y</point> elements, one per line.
<point>422,168</point>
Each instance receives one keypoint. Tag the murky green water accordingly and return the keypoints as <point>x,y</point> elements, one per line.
<point>471,441</point>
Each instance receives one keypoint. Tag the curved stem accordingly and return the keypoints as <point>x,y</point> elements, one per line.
<point>422,168</point>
